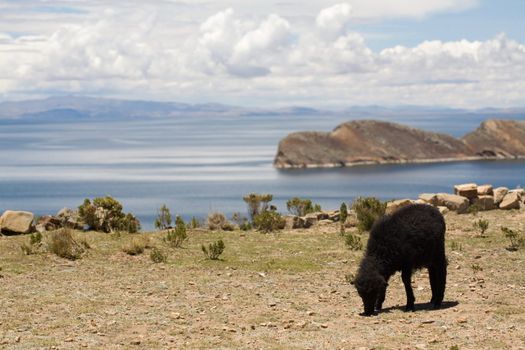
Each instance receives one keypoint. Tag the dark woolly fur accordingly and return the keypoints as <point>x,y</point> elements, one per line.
<point>411,238</point>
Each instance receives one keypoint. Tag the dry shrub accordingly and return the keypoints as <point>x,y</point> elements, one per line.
<point>218,221</point>
<point>136,246</point>
<point>62,244</point>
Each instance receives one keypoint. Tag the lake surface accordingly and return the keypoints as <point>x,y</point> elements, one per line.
<point>200,164</point>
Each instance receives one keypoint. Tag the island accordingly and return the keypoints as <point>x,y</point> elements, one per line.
<point>379,142</point>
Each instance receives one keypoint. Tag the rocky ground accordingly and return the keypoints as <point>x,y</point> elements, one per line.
<point>277,291</point>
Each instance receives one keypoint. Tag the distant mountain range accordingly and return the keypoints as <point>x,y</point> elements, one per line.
<point>74,108</point>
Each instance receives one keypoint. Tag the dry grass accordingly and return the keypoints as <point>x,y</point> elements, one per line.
<point>286,290</point>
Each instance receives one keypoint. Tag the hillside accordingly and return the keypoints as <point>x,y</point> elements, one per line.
<point>378,142</point>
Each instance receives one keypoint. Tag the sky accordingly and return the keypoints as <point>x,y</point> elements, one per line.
<point>265,53</point>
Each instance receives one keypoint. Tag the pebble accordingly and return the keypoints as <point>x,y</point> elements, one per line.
<point>428,321</point>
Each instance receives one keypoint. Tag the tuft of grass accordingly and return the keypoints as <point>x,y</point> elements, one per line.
<point>481,225</point>
<point>63,244</point>
<point>136,246</point>
<point>214,250</point>
<point>456,246</point>
<point>35,242</point>
<point>157,256</point>
<point>353,242</point>
<point>515,238</point>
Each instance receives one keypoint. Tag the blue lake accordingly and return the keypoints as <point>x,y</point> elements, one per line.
<point>198,165</point>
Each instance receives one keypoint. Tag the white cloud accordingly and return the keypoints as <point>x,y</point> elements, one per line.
<point>332,21</point>
<point>233,58</point>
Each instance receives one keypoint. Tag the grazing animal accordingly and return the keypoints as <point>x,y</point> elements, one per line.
<point>411,238</point>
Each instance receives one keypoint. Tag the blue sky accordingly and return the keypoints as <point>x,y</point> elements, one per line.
<point>480,22</point>
<point>452,53</point>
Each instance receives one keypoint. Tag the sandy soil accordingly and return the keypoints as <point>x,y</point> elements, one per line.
<point>277,291</point>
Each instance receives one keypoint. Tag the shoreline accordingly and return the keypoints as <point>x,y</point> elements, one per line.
<point>385,162</point>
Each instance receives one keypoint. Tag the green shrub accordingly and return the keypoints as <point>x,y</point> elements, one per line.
<point>194,223</point>
<point>176,237</point>
<point>456,246</point>
<point>343,215</point>
<point>257,203</point>
<point>35,242</point>
<point>63,244</point>
<point>515,238</point>
<point>163,220</point>
<point>368,210</point>
<point>214,250</point>
<point>481,225</point>
<point>353,241</point>
<point>157,256</point>
<point>269,221</point>
<point>105,214</point>
<point>301,207</point>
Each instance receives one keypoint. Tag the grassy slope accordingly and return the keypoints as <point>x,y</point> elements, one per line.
<point>276,291</point>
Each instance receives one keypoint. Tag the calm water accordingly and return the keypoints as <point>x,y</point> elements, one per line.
<point>197,165</point>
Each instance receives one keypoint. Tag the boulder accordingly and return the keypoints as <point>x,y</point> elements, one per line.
<point>49,223</point>
<point>520,192</point>
<point>70,218</point>
<point>310,220</point>
<point>16,222</point>
<point>333,215</point>
<point>453,202</point>
<point>485,190</point>
<point>469,191</point>
<point>322,215</point>
<point>430,198</point>
<point>303,222</point>
<point>484,203</point>
<point>443,210</point>
<point>499,194</point>
<point>393,206</point>
<point>510,201</point>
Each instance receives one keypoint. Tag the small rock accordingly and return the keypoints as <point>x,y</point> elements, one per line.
<point>462,320</point>
<point>135,342</point>
<point>428,321</point>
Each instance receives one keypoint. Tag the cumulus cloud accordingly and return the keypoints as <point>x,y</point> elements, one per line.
<point>260,59</point>
<point>332,21</point>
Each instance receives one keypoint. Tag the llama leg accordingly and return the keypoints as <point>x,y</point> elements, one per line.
<point>406,276</point>
<point>433,283</point>
<point>381,298</point>
<point>441,281</point>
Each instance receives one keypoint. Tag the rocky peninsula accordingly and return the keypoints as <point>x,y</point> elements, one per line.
<point>378,142</point>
